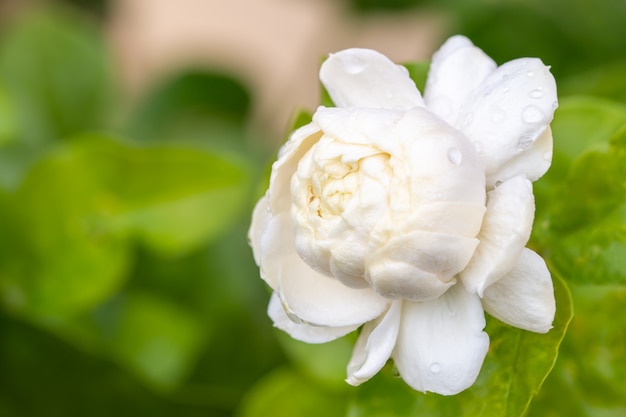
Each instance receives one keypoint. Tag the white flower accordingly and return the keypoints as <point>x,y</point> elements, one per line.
<point>410,215</point>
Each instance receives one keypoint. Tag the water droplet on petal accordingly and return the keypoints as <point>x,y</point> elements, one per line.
<point>530,73</point>
<point>536,93</point>
<point>524,144</point>
<point>532,114</point>
<point>506,89</point>
<point>352,64</point>
<point>498,115</point>
<point>435,367</point>
<point>478,147</point>
<point>498,183</point>
<point>555,105</point>
<point>455,156</point>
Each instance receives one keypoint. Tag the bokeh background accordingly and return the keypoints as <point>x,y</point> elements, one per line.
<point>135,138</point>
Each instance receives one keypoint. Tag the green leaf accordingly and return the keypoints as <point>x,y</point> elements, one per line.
<point>72,221</point>
<point>285,393</point>
<point>325,362</point>
<point>54,67</point>
<point>156,339</point>
<point>516,366</point>
<point>581,202</point>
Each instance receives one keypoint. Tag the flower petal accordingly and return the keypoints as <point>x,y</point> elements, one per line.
<point>505,231</point>
<point>508,112</point>
<point>524,297</point>
<point>441,344</point>
<point>285,166</point>
<point>261,217</point>
<point>307,295</point>
<point>457,68</point>
<point>302,331</point>
<point>366,78</point>
<point>374,346</point>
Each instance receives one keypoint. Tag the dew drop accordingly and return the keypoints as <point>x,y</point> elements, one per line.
<point>524,144</point>
<point>404,69</point>
<point>530,73</point>
<point>506,89</point>
<point>532,114</point>
<point>498,183</point>
<point>352,64</point>
<point>455,156</point>
<point>536,93</point>
<point>435,367</point>
<point>478,147</point>
<point>498,116</point>
<point>555,104</point>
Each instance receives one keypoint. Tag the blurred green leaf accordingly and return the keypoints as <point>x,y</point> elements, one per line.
<point>8,122</point>
<point>54,67</point>
<point>516,366</point>
<point>285,393</point>
<point>581,202</point>
<point>158,340</point>
<point>72,220</point>
<point>325,363</point>
<point>592,362</point>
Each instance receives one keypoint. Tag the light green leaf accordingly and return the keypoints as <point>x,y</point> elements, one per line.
<point>285,393</point>
<point>516,366</point>
<point>71,223</point>
<point>159,341</point>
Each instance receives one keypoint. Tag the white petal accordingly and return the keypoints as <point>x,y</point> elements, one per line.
<point>508,112</point>
<point>273,246</point>
<point>261,217</point>
<point>457,68</point>
<point>533,163</point>
<point>441,344</point>
<point>506,229</point>
<point>524,297</point>
<point>366,78</point>
<point>302,331</point>
<point>285,166</point>
<point>419,265</point>
<point>455,218</point>
<point>374,346</point>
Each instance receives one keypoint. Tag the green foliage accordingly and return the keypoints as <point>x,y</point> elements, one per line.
<point>581,202</point>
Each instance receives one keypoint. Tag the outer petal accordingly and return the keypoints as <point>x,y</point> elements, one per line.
<point>524,297</point>
<point>457,68</point>
<point>508,112</point>
<point>374,346</point>
<point>303,331</point>
<point>285,166</point>
<point>506,229</point>
<point>261,217</point>
<point>441,345</point>
<point>307,295</point>
<point>366,78</point>
<point>533,163</point>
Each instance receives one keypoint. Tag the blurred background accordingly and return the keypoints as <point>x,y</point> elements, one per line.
<point>135,138</point>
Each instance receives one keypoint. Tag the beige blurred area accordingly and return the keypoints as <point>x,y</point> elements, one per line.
<point>273,46</point>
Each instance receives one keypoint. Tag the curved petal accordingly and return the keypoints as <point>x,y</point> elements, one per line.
<point>524,297</point>
<point>506,229</point>
<point>441,344</point>
<point>457,68</point>
<point>374,345</point>
<point>419,265</point>
<point>261,217</point>
<point>366,78</point>
<point>301,331</point>
<point>285,166</point>
<point>508,112</point>
<point>307,295</point>
<point>533,163</point>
